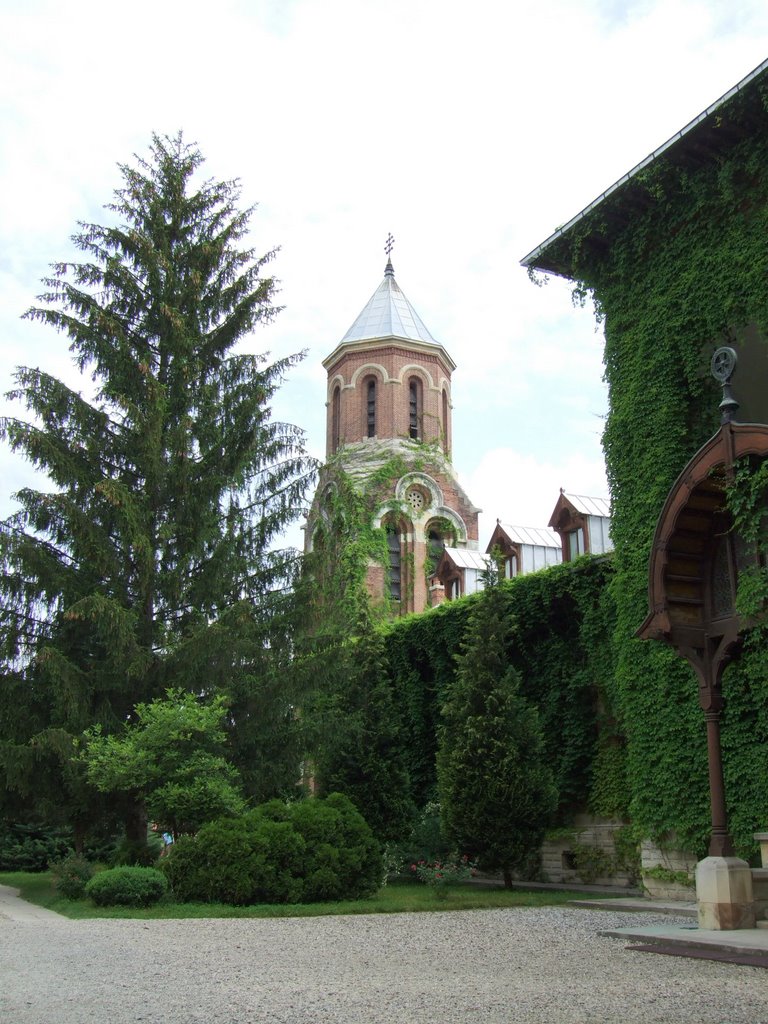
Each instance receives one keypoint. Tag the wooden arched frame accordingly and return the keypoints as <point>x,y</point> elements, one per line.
<point>694,560</point>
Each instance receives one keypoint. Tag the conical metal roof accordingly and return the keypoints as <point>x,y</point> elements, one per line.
<point>388,314</point>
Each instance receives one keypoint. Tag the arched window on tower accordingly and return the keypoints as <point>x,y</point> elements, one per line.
<point>395,561</point>
<point>436,538</point>
<point>446,438</point>
<point>415,409</point>
<point>336,419</point>
<point>370,407</point>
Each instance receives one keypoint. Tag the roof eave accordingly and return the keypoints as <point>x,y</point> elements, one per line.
<point>370,344</point>
<point>541,258</point>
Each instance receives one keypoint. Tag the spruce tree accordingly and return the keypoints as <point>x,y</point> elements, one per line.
<point>151,564</point>
<point>497,795</point>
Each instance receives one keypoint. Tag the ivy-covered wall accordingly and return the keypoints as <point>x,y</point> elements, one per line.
<point>563,622</point>
<point>676,272</point>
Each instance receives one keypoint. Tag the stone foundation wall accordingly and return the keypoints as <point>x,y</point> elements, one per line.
<point>585,854</point>
<point>659,865</point>
<point>760,893</point>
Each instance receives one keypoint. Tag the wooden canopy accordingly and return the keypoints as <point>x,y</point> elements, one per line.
<point>696,556</point>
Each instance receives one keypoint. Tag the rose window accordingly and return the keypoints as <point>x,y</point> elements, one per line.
<point>416,500</point>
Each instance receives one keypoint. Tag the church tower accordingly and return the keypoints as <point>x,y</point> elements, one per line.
<point>389,435</point>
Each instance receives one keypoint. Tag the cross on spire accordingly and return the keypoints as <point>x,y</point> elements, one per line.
<point>389,244</point>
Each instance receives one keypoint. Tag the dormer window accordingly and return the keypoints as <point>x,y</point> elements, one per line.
<point>575,544</point>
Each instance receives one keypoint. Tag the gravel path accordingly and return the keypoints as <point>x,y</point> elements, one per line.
<point>489,967</point>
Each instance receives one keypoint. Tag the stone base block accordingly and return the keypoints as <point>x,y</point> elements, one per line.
<point>724,893</point>
<point>760,895</point>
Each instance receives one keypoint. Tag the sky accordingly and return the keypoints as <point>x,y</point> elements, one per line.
<point>470,132</point>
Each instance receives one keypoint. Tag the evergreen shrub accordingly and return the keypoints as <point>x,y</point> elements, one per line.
<point>424,842</point>
<point>309,851</point>
<point>127,887</point>
<point>32,847</point>
<point>71,875</point>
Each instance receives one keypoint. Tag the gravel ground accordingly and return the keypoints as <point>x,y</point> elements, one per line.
<point>490,967</point>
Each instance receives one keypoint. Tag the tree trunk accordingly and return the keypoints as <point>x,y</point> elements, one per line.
<point>507,878</point>
<point>136,825</point>
<point>78,835</point>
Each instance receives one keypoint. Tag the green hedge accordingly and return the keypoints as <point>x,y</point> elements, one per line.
<point>561,645</point>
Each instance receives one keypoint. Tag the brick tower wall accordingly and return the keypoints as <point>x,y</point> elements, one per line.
<point>392,367</point>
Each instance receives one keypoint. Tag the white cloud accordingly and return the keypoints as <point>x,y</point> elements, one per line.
<point>469,132</point>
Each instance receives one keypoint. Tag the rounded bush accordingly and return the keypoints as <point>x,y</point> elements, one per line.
<point>127,887</point>
<point>309,851</point>
<point>71,875</point>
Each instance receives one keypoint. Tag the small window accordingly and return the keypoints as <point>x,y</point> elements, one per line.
<point>435,548</point>
<point>414,408</point>
<point>510,567</point>
<point>370,407</point>
<point>575,544</point>
<point>335,418</point>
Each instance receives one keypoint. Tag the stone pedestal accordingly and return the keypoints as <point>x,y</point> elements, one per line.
<point>724,893</point>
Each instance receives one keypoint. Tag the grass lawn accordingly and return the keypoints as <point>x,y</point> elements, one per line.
<point>397,898</point>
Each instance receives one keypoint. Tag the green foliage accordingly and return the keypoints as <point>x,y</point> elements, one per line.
<point>361,749</point>
<point>355,485</point>
<point>424,842</point>
<point>441,874</point>
<point>626,842</point>
<point>127,887</point>
<point>138,853</point>
<point>609,796</point>
<point>682,275</point>
<point>32,847</point>
<point>313,850</point>
<point>661,874</point>
<point>71,875</point>
<point>591,862</point>
<point>497,794</point>
<point>561,647</point>
<point>152,562</point>
<point>345,541</point>
<point>172,758</point>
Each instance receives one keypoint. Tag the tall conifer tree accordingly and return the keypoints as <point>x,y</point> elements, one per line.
<point>497,794</point>
<point>151,564</point>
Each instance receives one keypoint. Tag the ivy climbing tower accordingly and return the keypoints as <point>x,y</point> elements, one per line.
<point>388,500</point>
